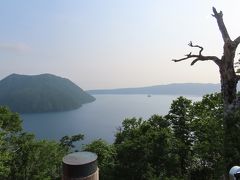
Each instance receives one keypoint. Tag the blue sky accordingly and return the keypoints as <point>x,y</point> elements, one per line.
<point>112,43</point>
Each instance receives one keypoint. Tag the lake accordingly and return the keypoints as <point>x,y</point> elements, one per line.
<point>98,119</point>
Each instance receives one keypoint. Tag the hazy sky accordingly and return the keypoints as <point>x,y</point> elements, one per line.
<point>113,43</point>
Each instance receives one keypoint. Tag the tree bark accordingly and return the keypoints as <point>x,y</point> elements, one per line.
<point>229,79</point>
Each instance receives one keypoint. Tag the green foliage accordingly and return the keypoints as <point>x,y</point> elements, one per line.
<point>143,149</point>
<point>22,157</point>
<point>9,121</point>
<point>67,142</point>
<point>34,159</point>
<point>10,124</point>
<point>208,131</point>
<point>232,139</point>
<point>106,157</point>
<point>187,143</point>
<point>181,117</point>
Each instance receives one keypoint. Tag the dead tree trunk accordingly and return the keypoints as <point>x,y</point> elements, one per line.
<point>229,80</point>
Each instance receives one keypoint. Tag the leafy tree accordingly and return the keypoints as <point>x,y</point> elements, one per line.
<point>144,149</point>
<point>34,159</point>
<point>106,158</point>
<point>187,143</point>
<point>180,117</point>
<point>130,151</point>
<point>9,121</point>
<point>10,124</point>
<point>207,127</point>
<point>67,142</point>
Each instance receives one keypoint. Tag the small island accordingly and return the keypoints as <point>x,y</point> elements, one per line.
<point>41,93</point>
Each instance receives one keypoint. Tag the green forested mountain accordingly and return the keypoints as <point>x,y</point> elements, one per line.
<point>41,93</point>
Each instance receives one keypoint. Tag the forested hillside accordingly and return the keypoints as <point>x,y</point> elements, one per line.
<point>41,93</point>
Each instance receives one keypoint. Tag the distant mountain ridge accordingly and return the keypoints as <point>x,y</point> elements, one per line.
<point>171,89</point>
<point>41,93</point>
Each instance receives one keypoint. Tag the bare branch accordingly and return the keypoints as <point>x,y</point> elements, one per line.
<point>201,48</point>
<point>198,57</point>
<point>237,40</point>
<point>221,25</point>
<point>188,56</point>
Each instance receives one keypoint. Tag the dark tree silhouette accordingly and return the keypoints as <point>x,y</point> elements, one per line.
<point>229,80</point>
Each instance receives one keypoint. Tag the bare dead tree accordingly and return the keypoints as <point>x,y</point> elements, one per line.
<point>229,80</point>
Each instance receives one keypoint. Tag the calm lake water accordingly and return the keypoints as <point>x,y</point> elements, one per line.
<point>98,119</point>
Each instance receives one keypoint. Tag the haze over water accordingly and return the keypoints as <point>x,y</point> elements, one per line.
<point>98,119</point>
